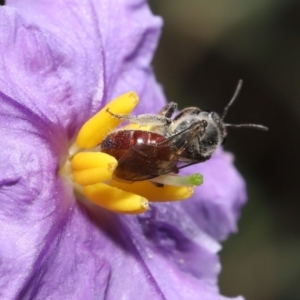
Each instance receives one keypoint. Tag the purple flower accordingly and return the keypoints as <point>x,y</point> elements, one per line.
<point>60,63</point>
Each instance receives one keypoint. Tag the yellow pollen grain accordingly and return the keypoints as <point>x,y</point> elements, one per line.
<point>115,199</point>
<point>154,193</point>
<point>97,128</point>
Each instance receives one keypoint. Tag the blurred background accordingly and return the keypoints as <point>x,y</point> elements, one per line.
<point>206,46</point>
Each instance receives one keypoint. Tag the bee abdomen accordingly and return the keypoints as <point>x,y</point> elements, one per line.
<point>117,143</point>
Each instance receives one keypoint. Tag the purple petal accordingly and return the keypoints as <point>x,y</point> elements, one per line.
<point>73,55</point>
<point>40,71</point>
<point>34,201</point>
<point>216,204</point>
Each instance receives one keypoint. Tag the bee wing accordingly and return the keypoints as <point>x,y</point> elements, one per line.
<point>182,140</point>
<point>146,161</point>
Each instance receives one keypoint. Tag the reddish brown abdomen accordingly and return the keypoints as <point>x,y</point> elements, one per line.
<point>117,143</point>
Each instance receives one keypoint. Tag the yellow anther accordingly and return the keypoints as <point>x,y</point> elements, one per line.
<point>92,167</point>
<point>91,160</point>
<point>154,193</point>
<point>91,176</point>
<point>97,128</point>
<point>115,199</point>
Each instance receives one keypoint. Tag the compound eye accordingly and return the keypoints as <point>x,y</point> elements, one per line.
<point>204,123</point>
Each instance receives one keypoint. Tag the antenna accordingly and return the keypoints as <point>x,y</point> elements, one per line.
<point>261,127</point>
<point>234,97</point>
<point>225,111</point>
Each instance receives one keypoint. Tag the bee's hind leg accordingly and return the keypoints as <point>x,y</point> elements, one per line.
<point>144,119</point>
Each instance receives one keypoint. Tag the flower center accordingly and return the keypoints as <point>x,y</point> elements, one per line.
<point>92,171</point>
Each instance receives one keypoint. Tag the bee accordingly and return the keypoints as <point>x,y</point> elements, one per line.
<point>191,137</point>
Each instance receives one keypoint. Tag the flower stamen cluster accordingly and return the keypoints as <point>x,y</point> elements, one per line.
<point>93,170</point>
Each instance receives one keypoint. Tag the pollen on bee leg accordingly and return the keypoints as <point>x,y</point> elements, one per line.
<point>115,199</point>
<point>92,167</point>
<point>155,193</point>
<point>97,128</point>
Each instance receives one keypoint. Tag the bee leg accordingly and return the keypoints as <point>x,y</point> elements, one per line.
<point>189,111</point>
<point>144,119</point>
<point>168,110</point>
